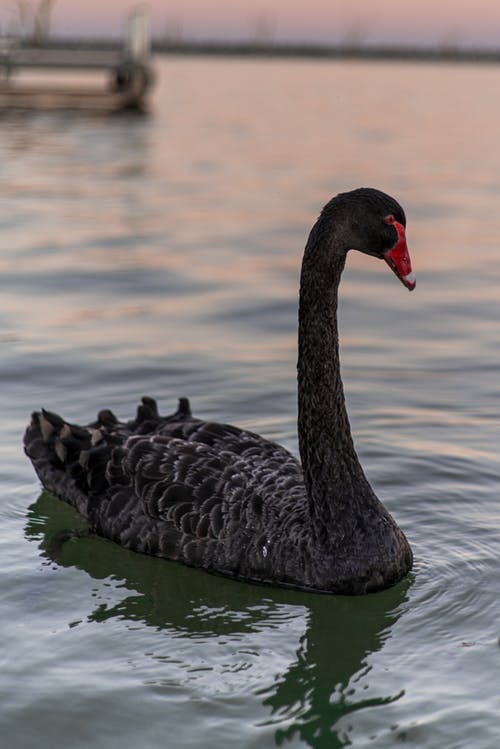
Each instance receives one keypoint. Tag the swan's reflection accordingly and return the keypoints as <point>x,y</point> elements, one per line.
<point>326,680</point>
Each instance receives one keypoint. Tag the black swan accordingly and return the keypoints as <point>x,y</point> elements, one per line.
<point>224,499</point>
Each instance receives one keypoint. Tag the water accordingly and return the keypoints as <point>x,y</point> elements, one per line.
<point>161,256</point>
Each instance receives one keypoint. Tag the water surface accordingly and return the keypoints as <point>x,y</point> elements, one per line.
<point>161,255</point>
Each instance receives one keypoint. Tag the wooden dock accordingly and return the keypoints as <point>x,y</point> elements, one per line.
<point>127,71</point>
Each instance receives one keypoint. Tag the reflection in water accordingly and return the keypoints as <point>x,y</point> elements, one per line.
<point>328,680</point>
<point>325,682</point>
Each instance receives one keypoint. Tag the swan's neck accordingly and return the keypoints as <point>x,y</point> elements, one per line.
<point>336,485</point>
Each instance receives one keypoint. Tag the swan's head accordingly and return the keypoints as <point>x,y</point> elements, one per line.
<point>374,223</point>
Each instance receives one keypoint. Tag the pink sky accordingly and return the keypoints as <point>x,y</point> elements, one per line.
<point>461,22</point>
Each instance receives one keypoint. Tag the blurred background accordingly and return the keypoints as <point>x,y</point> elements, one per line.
<point>156,250</point>
<point>320,22</point>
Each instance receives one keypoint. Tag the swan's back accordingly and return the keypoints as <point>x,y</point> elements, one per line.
<point>206,494</point>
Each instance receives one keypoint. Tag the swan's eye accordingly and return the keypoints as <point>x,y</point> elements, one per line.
<point>389,219</point>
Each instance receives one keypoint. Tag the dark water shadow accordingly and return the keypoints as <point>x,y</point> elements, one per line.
<point>320,687</point>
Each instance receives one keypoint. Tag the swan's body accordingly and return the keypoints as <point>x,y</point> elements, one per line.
<point>224,499</point>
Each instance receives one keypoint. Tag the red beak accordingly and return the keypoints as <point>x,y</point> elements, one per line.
<point>398,259</point>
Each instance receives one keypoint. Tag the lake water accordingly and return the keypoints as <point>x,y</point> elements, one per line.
<point>161,255</point>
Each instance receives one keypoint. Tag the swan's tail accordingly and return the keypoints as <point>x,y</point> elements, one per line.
<point>72,461</point>
<point>55,448</point>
